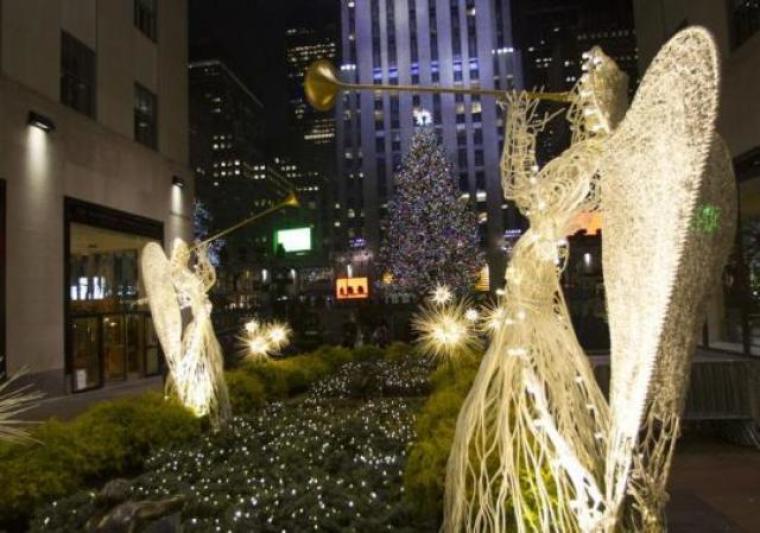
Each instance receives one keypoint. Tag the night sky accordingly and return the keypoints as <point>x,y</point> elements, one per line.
<point>249,35</point>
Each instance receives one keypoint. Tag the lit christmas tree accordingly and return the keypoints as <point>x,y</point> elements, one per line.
<point>431,235</point>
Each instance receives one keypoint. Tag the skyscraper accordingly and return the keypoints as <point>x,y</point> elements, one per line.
<point>316,130</point>
<point>236,178</point>
<point>225,135</point>
<point>553,34</point>
<point>427,42</point>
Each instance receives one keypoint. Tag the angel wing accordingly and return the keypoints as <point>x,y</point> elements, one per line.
<point>162,299</point>
<point>657,266</point>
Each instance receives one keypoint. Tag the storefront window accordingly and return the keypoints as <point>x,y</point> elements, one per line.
<point>110,333</point>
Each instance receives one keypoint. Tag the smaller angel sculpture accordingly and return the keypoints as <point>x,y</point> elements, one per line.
<point>193,355</point>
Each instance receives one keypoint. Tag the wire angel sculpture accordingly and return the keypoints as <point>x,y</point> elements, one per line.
<point>537,447</point>
<point>193,356</point>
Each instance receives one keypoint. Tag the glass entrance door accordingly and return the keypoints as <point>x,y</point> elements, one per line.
<point>85,345</point>
<point>114,347</point>
<point>135,344</point>
<point>107,338</point>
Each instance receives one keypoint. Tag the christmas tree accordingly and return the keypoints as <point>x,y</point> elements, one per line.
<point>431,234</point>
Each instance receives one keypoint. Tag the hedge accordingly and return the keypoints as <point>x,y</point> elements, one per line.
<point>113,438</point>
<point>109,439</point>
<point>425,472</point>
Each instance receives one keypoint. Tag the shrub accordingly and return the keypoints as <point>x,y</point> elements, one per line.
<point>425,472</point>
<point>398,351</point>
<point>246,391</point>
<point>108,439</point>
<point>273,381</point>
<point>368,352</point>
<point>301,371</point>
<point>336,468</point>
<point>334,355</point>
<point>293,375</point>
<point>113,438</point>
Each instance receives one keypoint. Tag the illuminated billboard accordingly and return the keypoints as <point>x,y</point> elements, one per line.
<point>351,288</point>
<point>293,240</point>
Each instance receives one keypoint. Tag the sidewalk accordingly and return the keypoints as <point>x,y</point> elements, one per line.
<point>715,487</point>
<point>68,406</point>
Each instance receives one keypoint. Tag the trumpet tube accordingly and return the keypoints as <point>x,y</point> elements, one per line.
<point>290,201</point>
<point>321,86</point>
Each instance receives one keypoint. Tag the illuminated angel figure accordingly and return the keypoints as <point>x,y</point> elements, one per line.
<point>532,427</point>
<point>194,357</point>
<point>536,445</point>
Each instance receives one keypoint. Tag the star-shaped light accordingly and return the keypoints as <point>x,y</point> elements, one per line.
<point>261,340</point>
<point>278,334</point>
<point>423,117</point>
<point>441,295</point>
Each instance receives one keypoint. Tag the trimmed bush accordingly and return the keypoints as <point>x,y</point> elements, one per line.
<point>246,391</point>
<point>301,371</point>
<point>334,355</point>
<point>293,375</point>
<point>109,439</point>
<point>273,381</point>
<point>367,352</point>
<point>425,472</point>
<point>114,438</point>
<point>398,351</point>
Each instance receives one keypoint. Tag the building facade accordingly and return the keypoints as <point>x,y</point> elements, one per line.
<point>93,164</point>
<point>553,34</point>
<point>226,129</point>
<point>236,179</point>
<point>733,319</point>
<point>457,43</point>
<point>315,130</point>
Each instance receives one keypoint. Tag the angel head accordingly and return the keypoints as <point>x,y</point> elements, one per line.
<point>600,98</point>
<point>180,255</point>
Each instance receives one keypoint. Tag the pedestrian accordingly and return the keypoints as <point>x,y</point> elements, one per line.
<point>349,332</point>
<point>380,335</point>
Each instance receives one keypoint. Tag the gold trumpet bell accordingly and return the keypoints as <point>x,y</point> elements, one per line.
<point>321,85</point>
<point>291,200</point>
